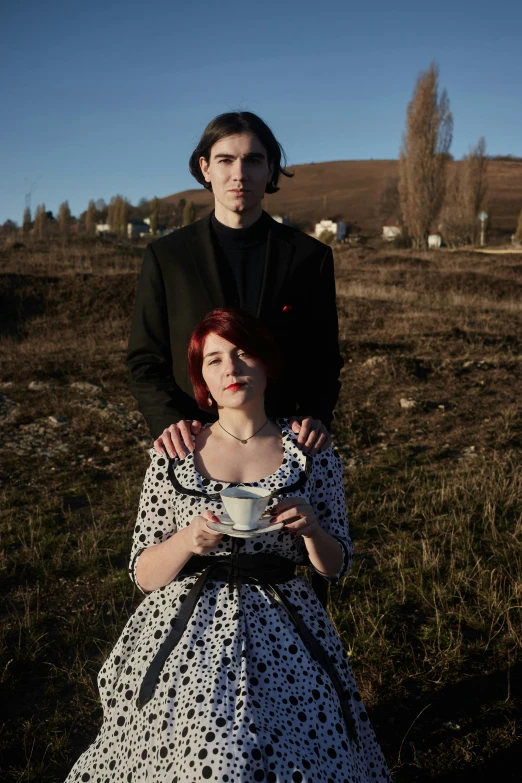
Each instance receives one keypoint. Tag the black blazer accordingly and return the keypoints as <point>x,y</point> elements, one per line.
<point>180,283</point>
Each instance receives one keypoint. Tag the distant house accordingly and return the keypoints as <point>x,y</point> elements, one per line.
<point>391,231</point>
<point>135,228</point>
<point>336,227</point>
<point>434,240</point>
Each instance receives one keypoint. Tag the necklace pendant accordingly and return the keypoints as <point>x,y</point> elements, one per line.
<point>243,442</point>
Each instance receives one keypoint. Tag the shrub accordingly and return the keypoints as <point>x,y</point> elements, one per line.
<point>328,237</point>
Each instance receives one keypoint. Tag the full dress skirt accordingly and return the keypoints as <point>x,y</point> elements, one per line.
<point>240,698</point>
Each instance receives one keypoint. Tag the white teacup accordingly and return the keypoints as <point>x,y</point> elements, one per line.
<point>245,505</point>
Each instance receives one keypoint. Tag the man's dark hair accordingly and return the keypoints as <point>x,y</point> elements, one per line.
<point>230,124</point>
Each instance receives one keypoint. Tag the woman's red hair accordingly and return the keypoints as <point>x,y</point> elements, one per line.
<point>242,330</point>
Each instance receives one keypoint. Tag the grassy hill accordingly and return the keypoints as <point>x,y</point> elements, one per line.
<point>351,188</point>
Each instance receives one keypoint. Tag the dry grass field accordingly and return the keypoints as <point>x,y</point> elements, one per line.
<point>351,188</point>
<point>429,424</point>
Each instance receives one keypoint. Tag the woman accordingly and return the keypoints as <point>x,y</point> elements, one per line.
<point>230,669</point>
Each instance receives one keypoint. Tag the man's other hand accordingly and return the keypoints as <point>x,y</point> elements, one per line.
<point>176,440</point>
<point>312,434</point>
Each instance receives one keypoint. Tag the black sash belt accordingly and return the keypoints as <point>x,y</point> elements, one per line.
<point>264,569</point>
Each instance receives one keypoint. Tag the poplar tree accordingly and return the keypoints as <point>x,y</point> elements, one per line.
<point>475,185</point>
<point>26,225</point>
<point>466,195</point>
<point>40,222</point>
<point>117,214</point>
<point>111,214</point>
<point>64,218</point>
<point>189,213</point>
<point>90,218</point>
<point>123,215</point>
<point>154,216</point>
<point>424,156</point>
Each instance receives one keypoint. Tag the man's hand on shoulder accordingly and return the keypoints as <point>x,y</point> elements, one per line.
<point>176,440</point>
<point>312,435</point>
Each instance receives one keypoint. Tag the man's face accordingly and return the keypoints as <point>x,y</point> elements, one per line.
<point>238,171</point>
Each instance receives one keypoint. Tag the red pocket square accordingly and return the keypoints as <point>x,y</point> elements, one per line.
<point>287,308</point>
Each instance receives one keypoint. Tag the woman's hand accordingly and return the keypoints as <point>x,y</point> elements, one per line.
<point>176,440</point>
<point>312,435</point>
<point>200,539</point>
<point>298,516</point>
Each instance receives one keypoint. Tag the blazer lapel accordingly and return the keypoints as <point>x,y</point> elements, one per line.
<point>279,255</point>
<point>201,248</point>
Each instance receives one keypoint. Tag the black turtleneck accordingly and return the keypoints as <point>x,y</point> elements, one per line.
<point>241,254</point>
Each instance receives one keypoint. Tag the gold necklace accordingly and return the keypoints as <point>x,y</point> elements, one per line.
<point>241,439</point>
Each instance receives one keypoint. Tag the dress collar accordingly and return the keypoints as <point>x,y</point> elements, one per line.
<point>211,488</point>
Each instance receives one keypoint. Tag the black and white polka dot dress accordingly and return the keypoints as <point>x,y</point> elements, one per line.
<point>240,698</point>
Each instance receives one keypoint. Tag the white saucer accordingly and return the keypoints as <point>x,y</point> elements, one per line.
<point>226,526</point>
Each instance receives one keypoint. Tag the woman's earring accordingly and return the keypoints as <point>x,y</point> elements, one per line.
<point>209,400</point>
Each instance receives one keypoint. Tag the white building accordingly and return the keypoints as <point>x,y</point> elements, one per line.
<point>434,241</point>
<point>337,228</point>
<point>391,232</point>
<point>135,228</point>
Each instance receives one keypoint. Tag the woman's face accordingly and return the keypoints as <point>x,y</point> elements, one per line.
<point>233,377</point>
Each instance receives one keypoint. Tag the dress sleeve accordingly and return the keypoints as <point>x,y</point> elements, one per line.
<point>155,522</point>
<point>328,500</point>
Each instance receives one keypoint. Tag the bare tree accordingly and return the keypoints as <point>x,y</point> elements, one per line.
<point>475,184</point>
<point>454,221</point>
<point>26,225</point>
<point>154,216</point>
<point>466,194</point>
<point>64,218</point>
<point>424,156</point>
<point>112,216</point>
<point>90,218</point>
<point>40,222</point>
<point>117,216</point>
<point>10,226</point>
<point>189,213</point>
<point>389,206</point>
<point>124,215</point>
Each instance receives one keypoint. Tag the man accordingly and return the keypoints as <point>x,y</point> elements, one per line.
<point>236,256</point>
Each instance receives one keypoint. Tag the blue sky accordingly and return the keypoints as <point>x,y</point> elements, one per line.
<point>106,98</point>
